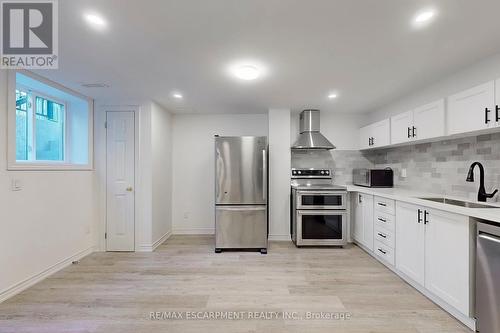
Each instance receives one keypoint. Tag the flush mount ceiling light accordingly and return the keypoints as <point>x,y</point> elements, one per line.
<point>247,70</point>
<point>95,20</point>
<point>177,95</point>
<point>332,95</point>
<point>424,17</point>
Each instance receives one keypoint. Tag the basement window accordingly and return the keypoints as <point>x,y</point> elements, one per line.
<point>52,127</point>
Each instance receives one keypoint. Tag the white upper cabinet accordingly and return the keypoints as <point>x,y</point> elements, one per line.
<point>376,135</point>
<point>472,110</point>
<point>424,122</point>
<point>401,130</point>
<point>429,121</point>
<point>497,103</point>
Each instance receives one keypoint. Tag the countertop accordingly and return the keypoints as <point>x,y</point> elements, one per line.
<point>405,195</point>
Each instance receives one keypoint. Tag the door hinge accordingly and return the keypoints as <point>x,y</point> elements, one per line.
<point>105,124</point>
<point>105,235</point>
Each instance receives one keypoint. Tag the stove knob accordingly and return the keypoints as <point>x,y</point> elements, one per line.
<point>322,172</point>
<point>299,172</point>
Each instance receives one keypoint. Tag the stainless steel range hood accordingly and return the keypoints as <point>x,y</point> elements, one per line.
<point>310,137</point>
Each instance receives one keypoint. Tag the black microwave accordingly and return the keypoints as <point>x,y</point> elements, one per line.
<point>373,177</point>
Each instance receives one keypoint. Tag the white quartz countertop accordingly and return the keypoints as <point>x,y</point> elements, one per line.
<point>405,195</point>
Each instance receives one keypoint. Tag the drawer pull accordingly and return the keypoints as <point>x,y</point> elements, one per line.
<point>382,220</point>
<point>384,252</point>
<point>381,204</point>
<point>382,235</point>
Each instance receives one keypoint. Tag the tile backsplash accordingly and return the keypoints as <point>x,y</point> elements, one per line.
<point>441,167</point>
<point>437,167</point>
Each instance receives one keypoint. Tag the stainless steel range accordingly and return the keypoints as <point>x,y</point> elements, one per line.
<point>319,209</point>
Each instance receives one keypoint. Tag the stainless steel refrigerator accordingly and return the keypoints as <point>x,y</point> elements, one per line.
<point>241,193</point>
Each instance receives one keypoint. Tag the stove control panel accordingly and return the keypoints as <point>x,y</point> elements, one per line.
<point>311,173</point>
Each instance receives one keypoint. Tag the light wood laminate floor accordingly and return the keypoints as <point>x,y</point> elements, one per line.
<point>115,292</point>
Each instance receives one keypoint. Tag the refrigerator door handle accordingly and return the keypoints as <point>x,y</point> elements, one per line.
<point>264,175</point>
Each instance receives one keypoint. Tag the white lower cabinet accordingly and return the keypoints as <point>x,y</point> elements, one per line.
<point>363,219</point>
<point>433,250</point>
<point>410,253</point>
<point>447,260</point>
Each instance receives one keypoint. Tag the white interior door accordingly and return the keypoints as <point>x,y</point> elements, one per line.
<point>120,170</point>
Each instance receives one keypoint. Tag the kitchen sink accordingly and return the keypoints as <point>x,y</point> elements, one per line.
<point>460,203</point>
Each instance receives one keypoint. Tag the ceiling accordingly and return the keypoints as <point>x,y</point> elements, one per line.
<point>366,50</point>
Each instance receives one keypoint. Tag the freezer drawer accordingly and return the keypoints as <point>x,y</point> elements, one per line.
<point>241,227</point>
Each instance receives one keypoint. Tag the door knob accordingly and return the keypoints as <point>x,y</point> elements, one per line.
<point>129,189</point>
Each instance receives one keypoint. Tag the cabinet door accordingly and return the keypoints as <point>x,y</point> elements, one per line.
<point>368,229</point>
<point>365,134</point>
<point>410,242</point>
<point>400,127</point>
<point>447,258</point>
<point>357,213</point>
<point>467,110</point>
<point>381,132</point>
<point>429,120</point>
<point>497,102</point>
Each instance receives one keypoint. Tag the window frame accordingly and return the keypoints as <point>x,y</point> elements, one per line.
<point>66,164</point>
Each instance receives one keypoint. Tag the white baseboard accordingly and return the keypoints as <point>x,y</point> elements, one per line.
<point>280,238</point>
<point>193,231</point>
<point>152,247</point>
<point>25,284</point>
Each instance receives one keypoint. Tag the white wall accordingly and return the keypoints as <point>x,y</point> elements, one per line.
<point>49,222</point>
<point>279,174</point>
<point>161,141</point>
<point>340,128</point>
<point>481,72</point>
<point>193,165</point>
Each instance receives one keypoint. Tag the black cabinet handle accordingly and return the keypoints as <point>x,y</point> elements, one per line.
<point>497,112</point>
<point>414,130</point>
<point>373,141</point>
<point>409,132</point>
<point>426,221</point>
<point>419,216</point>
<point>381,204</point>
<point>486,118</point>
<point>380,250</point>
<point>382,235</point>
<point>382,220</point>
<point>360,199</point>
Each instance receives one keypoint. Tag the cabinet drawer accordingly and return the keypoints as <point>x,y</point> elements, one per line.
<point>384,205</point>
<point>385,237</point>
<point>384,252</point>
<point>385,221</point>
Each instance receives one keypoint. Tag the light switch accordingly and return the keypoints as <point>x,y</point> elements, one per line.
<point>403,173</point>
<point>16,185</point>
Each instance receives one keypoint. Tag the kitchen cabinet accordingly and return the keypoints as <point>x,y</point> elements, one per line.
<point>376,135</point>
<point>472,110</point>
<point>433,250</point>
<point>447,259</point>
<point>424,122</point>
<point>363,220</point>
<point>410,255</point>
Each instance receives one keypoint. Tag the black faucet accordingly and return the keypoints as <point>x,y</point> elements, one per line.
<point>481,195</point>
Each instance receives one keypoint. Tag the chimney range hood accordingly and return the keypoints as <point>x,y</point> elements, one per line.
<point>310,137</point>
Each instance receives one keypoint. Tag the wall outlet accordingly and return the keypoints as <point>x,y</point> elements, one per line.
<point>404,174</point>
<point>16,185</point>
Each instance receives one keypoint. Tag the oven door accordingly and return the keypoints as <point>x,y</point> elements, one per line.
<point>321,227</point>
<point>321,200</point>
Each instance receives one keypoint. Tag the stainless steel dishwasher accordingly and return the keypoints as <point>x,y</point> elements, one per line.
<point>488,278</point>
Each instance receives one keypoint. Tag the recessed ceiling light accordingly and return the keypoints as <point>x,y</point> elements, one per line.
<point>177,95</point>
<point>247,72</point>
<point>95,20</point>
<point>423,17</point>
<point>332,96</point>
